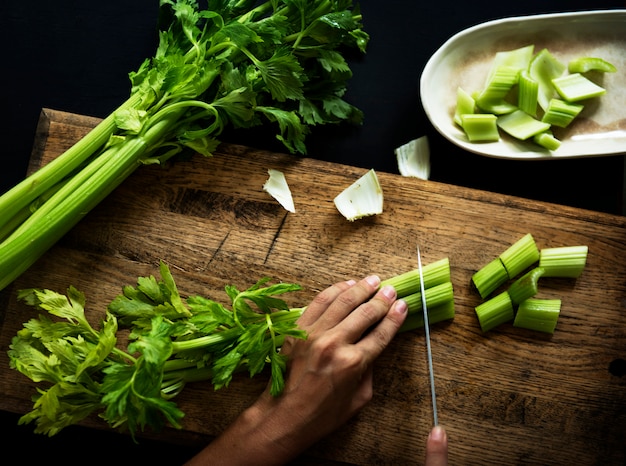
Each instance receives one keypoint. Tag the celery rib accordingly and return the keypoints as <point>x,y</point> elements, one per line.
<point>538,314</point>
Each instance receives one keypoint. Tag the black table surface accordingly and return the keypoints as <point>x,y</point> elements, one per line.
<point>75,56</point>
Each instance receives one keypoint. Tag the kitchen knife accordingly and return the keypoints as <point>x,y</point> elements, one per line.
<point>427,330</point>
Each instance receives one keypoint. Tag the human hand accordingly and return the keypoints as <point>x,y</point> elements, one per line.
<point>329,376</point>
<point>437,447</point>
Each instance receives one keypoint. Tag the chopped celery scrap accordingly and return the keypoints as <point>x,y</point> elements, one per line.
<point>434,273</point>
<point>567,261</point>
<point>517,58</point>
<point>465,105</point>
<point>547,140</point>
<point>575,87</point>
<point>586,64</point>
<point>527,93</point>
<point>521,125</point>
<point>489,277</point>
<point>526,286</point>
<point>480,127</point>
<point>495,311</point>
<point>492,97</point>
<point>543,68</point>
<point>561,113</point>
<point>436,314</point>
<point>538,314</point>
<point>520,255</point>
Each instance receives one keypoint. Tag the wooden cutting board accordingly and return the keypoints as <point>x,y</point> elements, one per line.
<point>507,397</point>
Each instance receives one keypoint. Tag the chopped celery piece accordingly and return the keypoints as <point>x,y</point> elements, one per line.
<point>538,314</point>
<point>568,261</point>
<point>520,255</point>
<point>521,125</point>
<point>490,277</point>
<point>586,64</point>
<point>526,286</point>
<point>575,87</point>
<point>517,58</point>
<point>407,283</point>
<point>277,187</point>
<point>436,314</point>
<point>480,127</point>
<point>527,93</point>
<point>495,311</point>
<point>362,198</point>
<point>547,140</point>
<point>435,296</point>
<point>414,158</point>
<point>465,105</point>
<point>561,113</point>
<point>491,98</point>
<point>544,67</point>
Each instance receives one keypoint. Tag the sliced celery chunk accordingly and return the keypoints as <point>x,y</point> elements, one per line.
<point>561,113</point>
<point>586,64</point>
<point>517,58</point>
<point>526,286</point>
<point>520,255</point>
<point>465,105</point>
<point>538,314</point>
<point>547,140</point>
<point>492,97</point>
<point>544,67</point>
<point>490,277</point>
<point>528,90</point>
<point>480,127</point>
<point>521,125</point>
<point>567,261</point>
<point>495,311</point>
<point>575,87</point>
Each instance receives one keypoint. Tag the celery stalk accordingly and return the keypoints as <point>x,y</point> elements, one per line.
<point>586,64</point>
<point>435,296</point>
<point>526,286</point>
<point>492,98</point>
<point>495,311</point>
<point>407,283</point>
<point>465,105</point>
<point>490,277</point>
<point>436,314</point>
<point>538,314</point>
<point>568,261</point>
<point>520,255</point>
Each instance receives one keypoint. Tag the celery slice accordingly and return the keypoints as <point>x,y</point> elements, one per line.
<point>538,314</point>
<point>362,198</point>
<point>517,58</point>
<point>491,98</point>
<point>568,261</point>
<point>436,314</point>
<point>561,113</point>
<point>480,127</point>
<point>407,283</point>
<point>490,277</point>
<point>586,64</point>
<point>547,140</point>
<point>495,311</point>
<point>528,91</point>
<point>435,296</point>
<point>465,105</point>
<point>521,125</point>
<point>575,87</point>
<point>520,255</point>
<point>526,286</point>
<point>544,67</point>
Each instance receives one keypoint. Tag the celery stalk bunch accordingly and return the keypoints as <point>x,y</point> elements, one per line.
<point>237,63</point>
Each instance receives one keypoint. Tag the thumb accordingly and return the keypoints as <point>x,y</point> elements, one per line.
<point>437,447</point>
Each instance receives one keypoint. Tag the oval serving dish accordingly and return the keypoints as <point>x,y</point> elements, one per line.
<point>464,61</point>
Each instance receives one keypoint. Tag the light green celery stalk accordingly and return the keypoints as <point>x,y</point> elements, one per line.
<point>212,68</point>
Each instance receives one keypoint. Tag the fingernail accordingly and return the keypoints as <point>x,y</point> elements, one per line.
<point>437,434</point>
<point>373,280</point>
<point>401,306</point>
<point>388,291</point>
<point>350,282</point>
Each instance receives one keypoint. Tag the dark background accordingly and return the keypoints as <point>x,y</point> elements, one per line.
<point>75,56</point>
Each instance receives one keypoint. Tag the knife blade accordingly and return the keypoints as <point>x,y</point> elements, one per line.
<point>429,352</point>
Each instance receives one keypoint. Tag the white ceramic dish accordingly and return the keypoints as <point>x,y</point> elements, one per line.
<point>464,59</point>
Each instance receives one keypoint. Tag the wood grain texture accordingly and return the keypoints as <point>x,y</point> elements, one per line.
<point>507,397</point>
